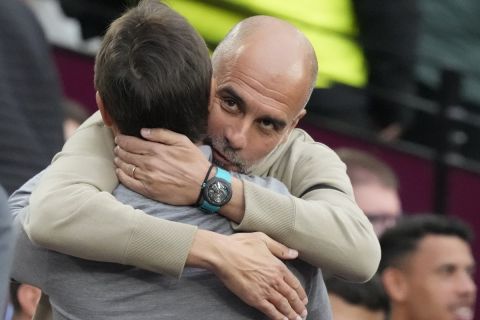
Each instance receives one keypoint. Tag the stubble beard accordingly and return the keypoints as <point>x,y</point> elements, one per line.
<point>234,161</point>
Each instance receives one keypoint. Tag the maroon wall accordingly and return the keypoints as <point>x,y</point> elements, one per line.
<point>76,74</point>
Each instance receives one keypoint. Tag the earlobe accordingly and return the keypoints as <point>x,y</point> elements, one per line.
<point>295,121</point>
<point>299,116</point>
<point>395,284</point>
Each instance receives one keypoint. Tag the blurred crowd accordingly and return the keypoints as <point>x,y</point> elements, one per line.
<point>378,63</point>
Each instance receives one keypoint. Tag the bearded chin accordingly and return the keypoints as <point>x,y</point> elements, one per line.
<point>238,168</point>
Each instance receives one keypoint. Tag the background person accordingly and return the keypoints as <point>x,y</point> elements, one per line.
<point>6,248</point>
<point>30,97</point>
<point>375,186</point>
<point>357,301</point>
<point>427,269</point>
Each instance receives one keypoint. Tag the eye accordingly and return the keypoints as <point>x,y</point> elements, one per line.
<point>447,270</point>
<point>229,104</point>
<point>267,124</point>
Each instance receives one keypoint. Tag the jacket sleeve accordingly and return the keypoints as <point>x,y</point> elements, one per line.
<point>325,224</point>
<point>6,247</point>
<point>72,211</point>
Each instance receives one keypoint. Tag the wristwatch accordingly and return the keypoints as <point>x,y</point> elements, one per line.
<point>216,192</point>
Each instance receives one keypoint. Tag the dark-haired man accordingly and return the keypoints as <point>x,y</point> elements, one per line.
<point>427,269</point>
<point>150,54</point>
<point>359,301</point>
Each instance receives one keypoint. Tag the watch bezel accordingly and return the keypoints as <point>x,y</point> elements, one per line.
<point>225,184</point>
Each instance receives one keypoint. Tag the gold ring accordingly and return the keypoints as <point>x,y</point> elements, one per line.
<point>133,171</point>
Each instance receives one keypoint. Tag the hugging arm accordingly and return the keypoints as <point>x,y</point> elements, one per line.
<point>71,211</point>
<point>319,218</point>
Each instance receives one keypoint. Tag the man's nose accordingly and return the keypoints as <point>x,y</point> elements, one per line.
<point>236,135</point>
<point>466,285</point>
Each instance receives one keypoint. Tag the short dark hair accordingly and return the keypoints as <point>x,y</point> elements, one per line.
<point>402,239</point>
<point>154,70</point>
<point>370,294</point>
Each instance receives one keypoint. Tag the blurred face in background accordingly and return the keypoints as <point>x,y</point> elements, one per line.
<point>436,281</point>
<point>380,204</point>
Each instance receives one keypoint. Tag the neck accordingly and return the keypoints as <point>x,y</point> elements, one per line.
<point>20,316</point>
<point>399,314</point>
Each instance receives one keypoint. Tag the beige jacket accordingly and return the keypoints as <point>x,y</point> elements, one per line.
<point>73,212</point>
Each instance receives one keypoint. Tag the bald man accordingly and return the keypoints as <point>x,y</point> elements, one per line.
<point>263,76</point>
<point>375,186</point>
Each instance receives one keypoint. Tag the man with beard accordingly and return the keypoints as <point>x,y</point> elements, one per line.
<point>162,72</point>
<point>264,73</point>
<point>427,269</point>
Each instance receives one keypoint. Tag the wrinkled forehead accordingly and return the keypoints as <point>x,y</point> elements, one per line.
<point>271,75</point>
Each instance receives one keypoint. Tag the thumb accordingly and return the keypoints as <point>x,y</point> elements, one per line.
<point>163,136</point>
<point>280,251</point>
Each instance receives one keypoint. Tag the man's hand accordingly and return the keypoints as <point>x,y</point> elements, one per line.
<point>247,264</point>
<point>169,168</point>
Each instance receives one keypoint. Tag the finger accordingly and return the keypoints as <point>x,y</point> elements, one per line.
<point>138,160</point>
<point>295,284</point>
<point>140,174</point>
<point>126,168</point>
<point>283,306</point>
<point>270,311</point>
<point>133,184</point>
<point>135,145</point>
<point>278,249</point>
<point>293,299</point>
<point>164,136</point>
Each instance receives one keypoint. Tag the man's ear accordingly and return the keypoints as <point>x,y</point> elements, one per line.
<point>299,116</point>
<point>28,297</point>
<point>395,284</point>
<point>105,115</point>
<point>294,123</point>
<point>213,87</point>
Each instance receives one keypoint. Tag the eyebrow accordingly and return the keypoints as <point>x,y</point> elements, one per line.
<point>278,123</point>
<point>230,91</point>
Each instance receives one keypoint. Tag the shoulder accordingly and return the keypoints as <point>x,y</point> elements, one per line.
<point>94,121</point>
<point>92,137</point>
<point>300,147</point>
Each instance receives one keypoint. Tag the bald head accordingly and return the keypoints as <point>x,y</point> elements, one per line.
<point>270,45</point>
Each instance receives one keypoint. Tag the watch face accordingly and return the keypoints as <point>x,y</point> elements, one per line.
<point>218,192</point>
